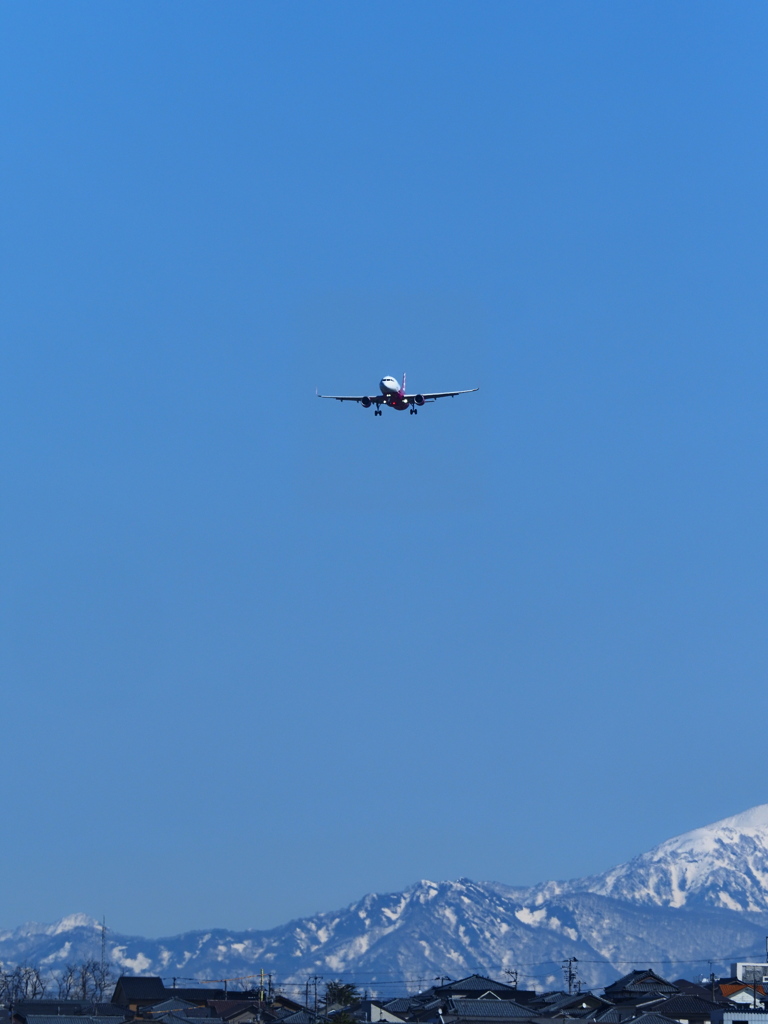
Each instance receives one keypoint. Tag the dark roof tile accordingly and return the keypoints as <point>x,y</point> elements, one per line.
<point>684,1005</point>
<point>133,988</point>
<point>477,1009</point>
<point>474,983</point>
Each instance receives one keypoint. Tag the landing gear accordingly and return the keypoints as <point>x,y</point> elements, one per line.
<point>413,412</point>
<point>377,412</point>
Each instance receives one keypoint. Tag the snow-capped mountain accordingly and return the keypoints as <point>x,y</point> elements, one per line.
<point>720,865</point>
<point>701,896</point>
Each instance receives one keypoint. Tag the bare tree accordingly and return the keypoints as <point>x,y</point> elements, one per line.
<point>102,979</point>
<point>24,982</point>
<point>5,986</point>
<point>84,979</point>
<point>66,981</point>
<point>88,981</point>
<point>31,982</point>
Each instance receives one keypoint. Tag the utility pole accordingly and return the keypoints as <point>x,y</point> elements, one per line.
<point>103,954</point>
<point>512,977</point>
<point>569,972</point>
<point>314,979</point>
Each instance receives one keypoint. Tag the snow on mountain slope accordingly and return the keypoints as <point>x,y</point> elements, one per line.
<point>720,865</point>
<point>697,897</point>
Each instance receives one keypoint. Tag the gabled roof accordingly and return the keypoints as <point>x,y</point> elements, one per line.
<point>477,1009</point>
<point>171,1004</point>
<point>576,1001</point>
<point>638,984</point>
<point>34,1018</point>
<point>730,988</point>
<point>44,1018</point>
<point>130,989</point>
<point>173,1017</point>
<point>652,1018</point>
<point>66,1007</point>
<point>685,1005</point>
<point>691,988</point>
<point>196,995</point>
<point>475,983</point>
<point>615,1014</point>
<point>251,1012</point>
<point>425,1011</point>
<point>374,1010</point>
<point>225,1008</point>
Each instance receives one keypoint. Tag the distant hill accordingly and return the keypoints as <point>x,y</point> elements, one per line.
<point>700,896</point>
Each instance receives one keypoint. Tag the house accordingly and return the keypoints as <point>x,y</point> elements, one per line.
<point>198,996</point>
<point>372,1010</point>
<point>180,1018</point>
<point>740,992</point>
<point>751,973</point>
<point>476,987</point>
<point>639,987</point>
<point>64,1007</point>
<point>731,1015</point>
<point>615,1014</point>
<point>300,1017</point>
<point>133,993</point>
<point>243,1011</point>
<point>401,1006</point>
<point>687,1009</point>
<point>651,1018</point>
<point>173,1005</point>
<point>709,991</point>
<point>582,1004</point>
<point>66,1019</point>
<point>483,1011</point>
<point>422,1009</point>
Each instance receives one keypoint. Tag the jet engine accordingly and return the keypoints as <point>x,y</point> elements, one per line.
<point>419,399</point>
<point>366,402</point>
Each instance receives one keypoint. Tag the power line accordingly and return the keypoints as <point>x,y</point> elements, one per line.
<point>363,977</point>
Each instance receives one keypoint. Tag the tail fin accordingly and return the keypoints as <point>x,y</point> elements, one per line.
<point>403,383</point>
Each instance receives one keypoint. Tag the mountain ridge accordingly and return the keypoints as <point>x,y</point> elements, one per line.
<point>697,897</point>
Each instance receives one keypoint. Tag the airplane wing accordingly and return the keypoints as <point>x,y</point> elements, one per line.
<point>442,394</point>
<point>370,399</point>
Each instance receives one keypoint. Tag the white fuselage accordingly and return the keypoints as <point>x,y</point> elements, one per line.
<point>394,393</point>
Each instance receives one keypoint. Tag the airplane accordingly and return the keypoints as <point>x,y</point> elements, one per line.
<point>393,395</point>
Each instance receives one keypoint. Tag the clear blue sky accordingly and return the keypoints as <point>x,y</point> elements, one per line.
<point>263,654</point>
